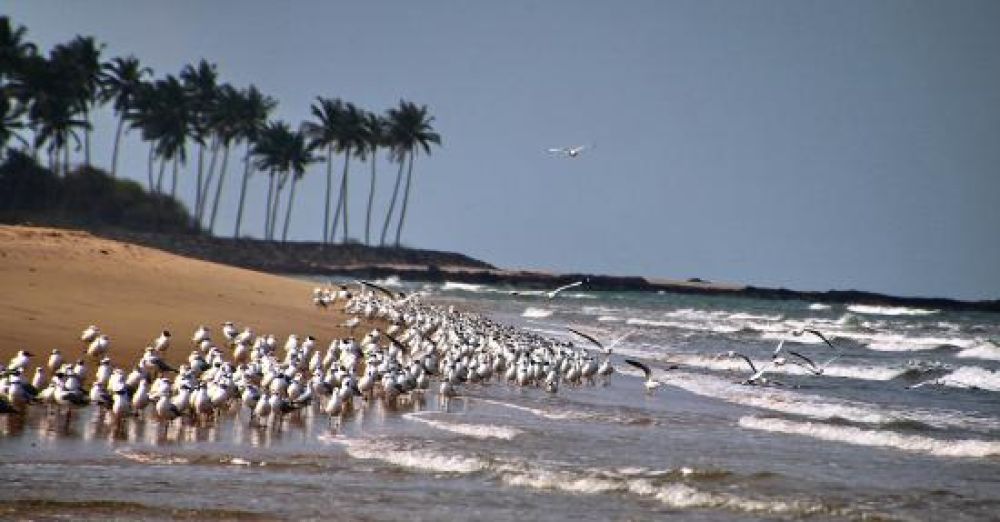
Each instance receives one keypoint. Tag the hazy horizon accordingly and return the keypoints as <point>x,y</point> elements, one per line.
<point>807,145</point>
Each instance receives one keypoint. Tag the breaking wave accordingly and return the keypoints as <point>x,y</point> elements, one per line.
<point>537,313</point>
<point>878,438</point>
<point>477,431</point>
<point>890,310</point>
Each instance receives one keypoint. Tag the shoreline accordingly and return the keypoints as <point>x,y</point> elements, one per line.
<point>356,260</point>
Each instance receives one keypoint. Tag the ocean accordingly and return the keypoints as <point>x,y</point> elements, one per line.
<point>902,424</point>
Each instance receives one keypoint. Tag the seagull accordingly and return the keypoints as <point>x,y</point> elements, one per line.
<point>650,383</point>
<point>757,377</point>
<point>815,369</point>
<point>162,342</point>
<point>817,333</point>
<point>587,337</point>
<point>551,294</point>
<point>571,152</point>
<point>90,333</point>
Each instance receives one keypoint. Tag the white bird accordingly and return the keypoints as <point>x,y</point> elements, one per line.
<point>552,294</point>
<point>571,152</point>
<point>162,342</point>
<point>55,360</point>
<point>201,334</point>
<point>99,346</point>
<point>20,361</point>
<point>90,333</point>
<point>650,384</point>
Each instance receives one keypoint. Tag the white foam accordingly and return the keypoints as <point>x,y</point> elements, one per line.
<point>391,281</point>
<point>819,306</point>
<point>902,343</point>
<point>465,287</point>
<point>972,377</point>
<point>889,310</point>
<point>676,495</point>
<point>478,431</point>
<point>878,438</point>
<point>412,458</point>
<point>609,319</point>
<point>536,313</point>
<point>867,373</point>
<point>983,350</point>
<point>551,415</point>
<point>144,457</point>
<point>684,325</point>
<point>817,407</point>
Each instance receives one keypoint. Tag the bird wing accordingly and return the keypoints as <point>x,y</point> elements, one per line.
<point>619,340</point>
<point>777,350</point>
<point>379,288</point>
<point>819,334</point>
<point>645,369</point>
<point>804,358</point>
<point>564,287</point>
<point>559,151</point>
<point>747,359</point>
<point>587,337</point>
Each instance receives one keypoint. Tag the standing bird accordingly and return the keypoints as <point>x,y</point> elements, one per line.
<point>162,342</point>
<point>20,361</point>
<point>89,334</point>
<point>99,346</point>
<point>55,360</point>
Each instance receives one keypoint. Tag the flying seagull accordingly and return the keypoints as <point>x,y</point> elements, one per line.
<point>551,294</point>
<point>757,375</point>
<point>650,383</point>
<point>817,333</point>
<point>587,337</point>
<point>571,152</point>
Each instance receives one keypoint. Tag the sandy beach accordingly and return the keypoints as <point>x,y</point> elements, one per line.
<point>56,282</point>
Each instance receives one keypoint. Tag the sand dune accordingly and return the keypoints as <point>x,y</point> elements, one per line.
<point>54,282</point>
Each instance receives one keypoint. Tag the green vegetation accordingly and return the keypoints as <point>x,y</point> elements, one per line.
<point>46,103</point>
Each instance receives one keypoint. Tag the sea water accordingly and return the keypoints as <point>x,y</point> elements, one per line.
<point>904,423</point>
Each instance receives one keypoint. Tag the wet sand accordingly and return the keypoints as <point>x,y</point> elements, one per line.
<point>56,282</point>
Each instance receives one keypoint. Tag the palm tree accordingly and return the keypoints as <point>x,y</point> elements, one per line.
<point>163,114</point>
<point>375,137</point>
<point>269,151</point>
<point>254,108</point>
<point>351,141</point>
<point>79,65</point>
<point>298,156</point>
<point>202,91</point>
<point>224,121</point>
<point>13,49</point>
<point>324,135</point>
<point>410,130</point>
<point>120,82</point>
<point>10,122</point>
<point>45,88</point>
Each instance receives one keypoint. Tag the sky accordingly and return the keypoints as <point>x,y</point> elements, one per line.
<point>805,144</point>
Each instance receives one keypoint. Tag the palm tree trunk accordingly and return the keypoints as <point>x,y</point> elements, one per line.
<point>392,203</point>
<point>65,166</point>
<point>159,178</point>
<point>288,213</point>
<point>197,189</point>
<point>173,179</point>
<point>329,188</point>
<point>342,199</point>
<point>277,203</point>
<point>406,199</point>
<point>86,138</point>
<point>243,191</point>
<point>218,189</point>
<point>267,208</point>
<point>149,164</point>
<point>371,198</point>
<point>114,151</point>
<point>216,145</point>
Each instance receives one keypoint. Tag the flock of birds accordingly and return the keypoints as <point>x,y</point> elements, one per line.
<point>421,344</point>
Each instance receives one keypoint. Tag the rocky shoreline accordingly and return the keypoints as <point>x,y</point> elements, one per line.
<point>355,260</point>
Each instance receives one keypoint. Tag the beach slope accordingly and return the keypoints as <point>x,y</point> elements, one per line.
<point>54,282</point>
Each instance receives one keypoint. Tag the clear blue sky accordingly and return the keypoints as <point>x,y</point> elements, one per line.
<point>806,144</point>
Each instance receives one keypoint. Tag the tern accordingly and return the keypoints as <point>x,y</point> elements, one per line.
<point>571,152</point>
<point>650,383</point>
<point>756,376</point>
